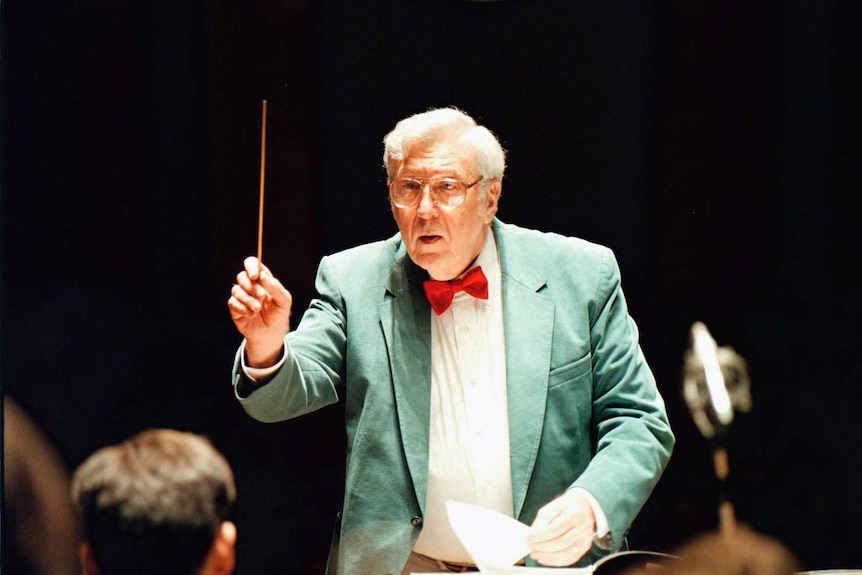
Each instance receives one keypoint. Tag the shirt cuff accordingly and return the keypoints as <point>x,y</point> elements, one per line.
<point>259,374</point>
<point>602,527</point>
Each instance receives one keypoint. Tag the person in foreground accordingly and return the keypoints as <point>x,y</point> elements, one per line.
<point>156,503</point>
<point>741,551</point>
<point>519,387</point>
<point>744,551</point>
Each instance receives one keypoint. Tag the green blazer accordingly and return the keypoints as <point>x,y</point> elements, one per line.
<point>583,405</point>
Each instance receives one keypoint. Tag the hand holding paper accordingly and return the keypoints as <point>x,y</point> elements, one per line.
<point>495,541</point>
<point>563,530</point>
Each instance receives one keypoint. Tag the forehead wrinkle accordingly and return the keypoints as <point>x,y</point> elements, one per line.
<point>438,160</point>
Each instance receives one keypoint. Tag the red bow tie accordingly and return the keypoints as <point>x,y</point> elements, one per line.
<point>440,293</point>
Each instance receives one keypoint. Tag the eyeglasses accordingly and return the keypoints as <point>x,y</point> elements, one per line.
<point>446,193</point>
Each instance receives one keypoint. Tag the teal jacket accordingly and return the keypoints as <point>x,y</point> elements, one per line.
<point>583,405</point>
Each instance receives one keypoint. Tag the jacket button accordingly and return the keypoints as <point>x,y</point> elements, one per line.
<point>416,520</point>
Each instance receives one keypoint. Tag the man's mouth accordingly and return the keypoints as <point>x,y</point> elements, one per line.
<point>429,238</point>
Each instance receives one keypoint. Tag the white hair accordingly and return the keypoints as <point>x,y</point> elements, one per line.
<point>437,125</point>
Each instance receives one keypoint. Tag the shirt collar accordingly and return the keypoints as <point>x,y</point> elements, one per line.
<point>490,263</point>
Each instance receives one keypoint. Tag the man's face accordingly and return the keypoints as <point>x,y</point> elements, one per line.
<point>444,242</point>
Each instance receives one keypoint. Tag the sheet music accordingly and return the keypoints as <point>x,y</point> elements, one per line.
<point>496,542</point>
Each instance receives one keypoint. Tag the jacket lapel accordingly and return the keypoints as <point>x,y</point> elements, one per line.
<point>406,322</point>
<point>528,322</point>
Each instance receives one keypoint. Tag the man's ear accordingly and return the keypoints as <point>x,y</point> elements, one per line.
<point>222,556</point>
<point>493,199</point>
<point>88,559</point>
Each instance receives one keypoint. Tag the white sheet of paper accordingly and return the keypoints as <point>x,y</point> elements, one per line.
<point>496,541</point>
<point>521,570</point>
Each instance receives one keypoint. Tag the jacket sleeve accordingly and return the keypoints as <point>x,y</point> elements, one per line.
<point>633,439</point>
<point>314,360</point>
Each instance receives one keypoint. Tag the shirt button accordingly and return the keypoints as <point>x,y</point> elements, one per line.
<point>416,520</point>
<point>465,329</point>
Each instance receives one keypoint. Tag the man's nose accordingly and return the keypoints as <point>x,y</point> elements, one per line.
<point>427,207</point>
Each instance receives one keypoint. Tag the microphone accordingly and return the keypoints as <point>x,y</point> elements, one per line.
<point>715,383</point>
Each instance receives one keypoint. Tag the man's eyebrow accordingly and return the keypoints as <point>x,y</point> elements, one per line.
<point>450,175</point>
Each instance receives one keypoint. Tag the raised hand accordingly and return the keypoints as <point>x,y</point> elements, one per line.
<point>260,309</point>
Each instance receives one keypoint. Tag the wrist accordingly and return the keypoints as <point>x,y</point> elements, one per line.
<point>261,356</point>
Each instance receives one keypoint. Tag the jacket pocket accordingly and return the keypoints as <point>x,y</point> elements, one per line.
<point>570,372</point>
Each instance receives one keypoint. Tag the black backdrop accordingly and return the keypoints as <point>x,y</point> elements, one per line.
<point>713,145</point>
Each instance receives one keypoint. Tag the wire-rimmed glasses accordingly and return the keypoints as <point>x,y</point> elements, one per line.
<point>446,193</point>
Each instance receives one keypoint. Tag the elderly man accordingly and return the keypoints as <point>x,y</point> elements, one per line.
<point>156,503</point>
<point>479,361</point>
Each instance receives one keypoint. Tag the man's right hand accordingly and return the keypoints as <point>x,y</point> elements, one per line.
<point>260,308</point>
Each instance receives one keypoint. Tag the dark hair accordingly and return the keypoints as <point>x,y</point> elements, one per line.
<point>154,503</point>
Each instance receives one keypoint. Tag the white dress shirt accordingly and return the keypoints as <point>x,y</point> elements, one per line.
<point>468,453</point>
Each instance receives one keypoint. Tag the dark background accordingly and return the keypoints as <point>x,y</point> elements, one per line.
<point>713,145</point>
